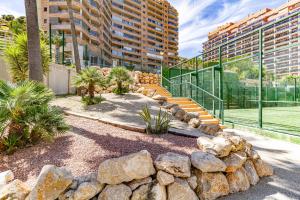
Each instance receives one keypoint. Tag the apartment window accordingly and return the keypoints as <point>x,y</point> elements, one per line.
<point>45,21</point>
<point>45,9</point>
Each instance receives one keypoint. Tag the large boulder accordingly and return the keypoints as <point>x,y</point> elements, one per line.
<point>175,109</point>
<point>192,181</point>
<point>51,182</point>
<point>127,168</point>
<point>138,182</point>
<point>6,177</point>
<point>235,161</point>
<point>180,114</point>
<point>14,190</point>
<point>168,106</point>
<point>218,146</point>
<point>88,190</point>
<point>207,162</point>
<point>181,190</point>
<point>263,168</point>
<point>210,129</point>
<point>211,185</point>
<point>252,154</point>
<point>115,192</point>
<point>164,178</point>
<point>251,172</point>
<point>158,97</point>
<point>176,164</point>
<point>190,115</point>
<point>158,192</point>
<point>238,181</point>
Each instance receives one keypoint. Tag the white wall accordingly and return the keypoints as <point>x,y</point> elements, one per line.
<point>4,72</point>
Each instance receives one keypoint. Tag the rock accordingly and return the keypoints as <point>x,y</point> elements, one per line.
<point>86,178</point>
<point>88,190</point>
<point>69,195</point>
<point>176,164</point>
<point>6,177</point>
<point>175,109</point>
<point>251,172</point>
<point>15,190</point>
<point>235,161</point>
<point>159,98</point>
<point>238,143</point>
<point>164,178</point>
<point>207,162</point>
<point>127,168</point>
<point>168,106</point>
<point>180,190</point>
<point>138,182</point>
<point>192,181</point>
<point>210,129</point>
<point>150,92</point>
<point>141,193</point>
<point>218,146</point>
<point>158,192</point>
<point>253,155</point>
<point>211,185</point>
<point>115,192</point>
<point>140,90</point>
<point>51,182</point>
<point>262,168</point>
<point>238,181</point>
<point>180,114</point>
<point>195,123</point>
<point>190,115</point>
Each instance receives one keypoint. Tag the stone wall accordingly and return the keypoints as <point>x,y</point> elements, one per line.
<point>223,165</point>
<point>147,78</point>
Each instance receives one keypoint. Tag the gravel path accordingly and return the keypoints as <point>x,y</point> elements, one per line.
<point>87,144</point>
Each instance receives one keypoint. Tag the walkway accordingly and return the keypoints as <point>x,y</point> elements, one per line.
<point>285,158</point>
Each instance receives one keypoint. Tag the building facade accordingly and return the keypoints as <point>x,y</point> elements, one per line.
<point>139,33</point>
<point>278,36</point>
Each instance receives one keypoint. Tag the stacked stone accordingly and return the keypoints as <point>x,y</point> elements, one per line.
<point>226,165</point>
<point>147,78</point>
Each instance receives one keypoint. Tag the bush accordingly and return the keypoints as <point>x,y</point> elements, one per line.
<point>160,124</point>
<point>87,101</point>
<point>16,55</point>
<point>121,77</point>
<point>26,116</point>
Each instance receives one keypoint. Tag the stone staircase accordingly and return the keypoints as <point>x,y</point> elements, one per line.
<point>186,104</point>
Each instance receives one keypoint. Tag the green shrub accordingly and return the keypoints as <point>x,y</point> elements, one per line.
<point>16,56</point>
<point>88,79</point>
<point>87,101</point>
<point>26,116</point>
<point>121,78</point>
<point>159,124</point>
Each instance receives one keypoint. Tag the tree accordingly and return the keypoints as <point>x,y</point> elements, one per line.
<point>18,26</point>
<point>120,76</point>
<point>89,78</point>
<point>16,56</point>
<point>74,37</point>
<point>58,42</point>
<point>33,42</point>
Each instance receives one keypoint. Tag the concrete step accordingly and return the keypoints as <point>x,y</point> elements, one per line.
<point>179,99</point>
<point>180,102</point>
<point>210,121</point>
<point>203,113</point>
<point>193,105</point>
<point>193,109</point>
<point>203,117</point>
<point>222,126</point>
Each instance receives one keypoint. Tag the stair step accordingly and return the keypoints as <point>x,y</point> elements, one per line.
<point>210,121</point>
<point>203,117</point>
<point>190,106</point>
<point>179,99</point>
<point>202,112</point>
<point>180,102</point>
<point>193,109</point>
<point>222,126</point>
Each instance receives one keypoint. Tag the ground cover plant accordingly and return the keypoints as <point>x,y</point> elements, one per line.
<point>120,76</point>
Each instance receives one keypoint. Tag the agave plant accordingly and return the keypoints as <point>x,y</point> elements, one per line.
<point>88,79</point>
<point>25,114</point>
<point>121,77</point>
<point>159,124</point>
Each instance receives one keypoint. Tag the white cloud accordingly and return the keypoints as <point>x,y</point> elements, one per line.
<point>194,27</point>
<point>12,7</point>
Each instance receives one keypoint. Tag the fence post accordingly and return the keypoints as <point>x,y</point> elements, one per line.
<point>50,41</point>
<point>197,79</point>
<point>213,88</point>
<point>221,82</point>
<point>260,106</point>
<point>181,80</point>
<point>63,47</point>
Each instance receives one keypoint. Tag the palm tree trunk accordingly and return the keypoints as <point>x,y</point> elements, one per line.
<point>33,43</point>
<point>74,37</point>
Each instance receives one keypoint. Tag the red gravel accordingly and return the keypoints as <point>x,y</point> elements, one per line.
<point>87,144</point>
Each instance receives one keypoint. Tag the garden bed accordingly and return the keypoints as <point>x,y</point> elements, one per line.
<point>86,145</point>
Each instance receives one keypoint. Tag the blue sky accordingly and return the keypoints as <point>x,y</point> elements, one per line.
<point>196,17</point>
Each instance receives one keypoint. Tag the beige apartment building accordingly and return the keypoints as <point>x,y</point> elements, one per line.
<point>280,35</point>
<point>139,33</point>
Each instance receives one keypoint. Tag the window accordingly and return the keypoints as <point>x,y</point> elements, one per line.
<point>45,9</point>
<point>45,21</point>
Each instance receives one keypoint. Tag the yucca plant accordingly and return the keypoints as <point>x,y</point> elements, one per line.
<point>89,78</point>
<point>121,77</point>
<point>159,124</point>
<point>25,114</point>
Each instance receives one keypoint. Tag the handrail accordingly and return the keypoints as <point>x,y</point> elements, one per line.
<point>215,97</point>
<point>166,79</point>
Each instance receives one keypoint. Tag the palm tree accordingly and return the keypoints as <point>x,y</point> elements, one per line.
<point>34,52</point>
<point>89,78</point>
<point>58,42</point>
<point>120,76</point>
<point>74,37</point>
